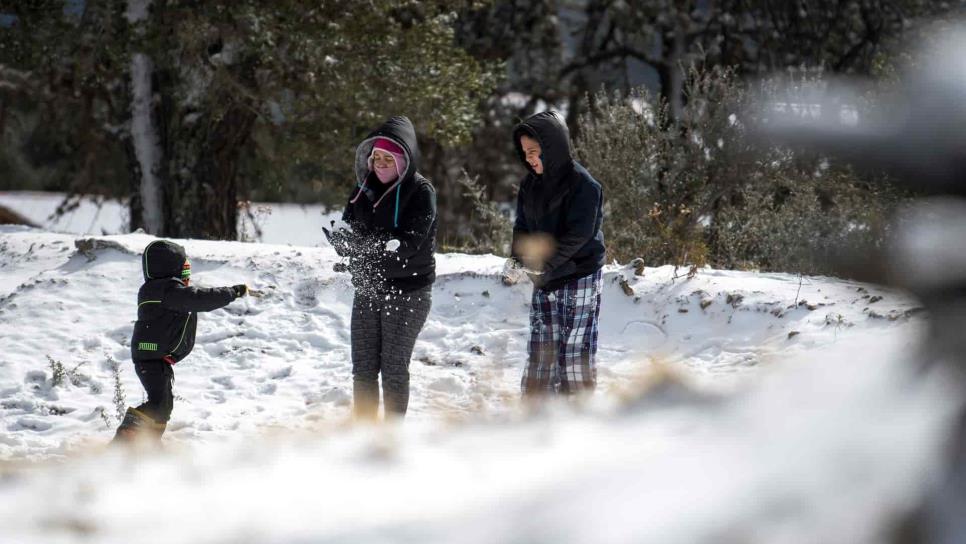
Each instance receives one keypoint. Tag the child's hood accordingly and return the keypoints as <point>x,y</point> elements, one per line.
<point>162,259</point>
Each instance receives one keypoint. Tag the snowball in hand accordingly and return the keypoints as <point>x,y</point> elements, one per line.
<point>392,245</point>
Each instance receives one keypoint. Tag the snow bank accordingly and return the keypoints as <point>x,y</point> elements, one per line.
<point>734,406</point>
<point>277,223</point>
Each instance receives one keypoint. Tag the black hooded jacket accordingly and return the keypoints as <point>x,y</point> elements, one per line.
<point>166,306</point>
<point>564,202</point>
<point>404,210</point>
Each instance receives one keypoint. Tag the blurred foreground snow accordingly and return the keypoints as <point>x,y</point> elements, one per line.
<point>733,407</point>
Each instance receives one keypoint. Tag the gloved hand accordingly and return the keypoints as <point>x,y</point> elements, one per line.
<point>512,271</point>
<point>338,238</point>
<point>239,290</point>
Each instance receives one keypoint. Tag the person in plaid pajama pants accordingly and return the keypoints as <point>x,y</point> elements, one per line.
<point>558,241</point>
<point>563,338</point>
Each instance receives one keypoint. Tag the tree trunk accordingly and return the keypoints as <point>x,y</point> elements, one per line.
<point>202,160</point>
<point>144,153</point>
<point>677,72</point>
<point>443,169</point>
<point>186,151</point>
<point>670,71</point>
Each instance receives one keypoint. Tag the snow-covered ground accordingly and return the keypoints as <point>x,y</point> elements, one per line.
<point>732,407</point>
<point>284,224</point>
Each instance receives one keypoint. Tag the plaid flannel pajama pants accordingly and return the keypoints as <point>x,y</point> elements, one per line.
<point>563,338</point>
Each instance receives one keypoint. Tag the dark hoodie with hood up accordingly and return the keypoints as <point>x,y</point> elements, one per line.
<point>564,202</point>
<point>166,323</point>
<point>404,210</point>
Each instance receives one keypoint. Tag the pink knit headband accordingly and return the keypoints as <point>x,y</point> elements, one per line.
<point>388,145</point>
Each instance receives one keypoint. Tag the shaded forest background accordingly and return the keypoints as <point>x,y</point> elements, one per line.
<point>187,110</point>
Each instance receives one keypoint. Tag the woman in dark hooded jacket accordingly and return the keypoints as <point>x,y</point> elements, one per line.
<point>390,242</point>
<point>557,239</point>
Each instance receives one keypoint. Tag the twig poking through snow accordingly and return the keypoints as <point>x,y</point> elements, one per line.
<point>800,276</point>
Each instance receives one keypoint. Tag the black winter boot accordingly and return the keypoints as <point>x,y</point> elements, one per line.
<point>136,424</point>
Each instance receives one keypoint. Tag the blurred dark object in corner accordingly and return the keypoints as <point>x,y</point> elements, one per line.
<point>917,137</point>
<point>10,217</point>
<point>917,134</point>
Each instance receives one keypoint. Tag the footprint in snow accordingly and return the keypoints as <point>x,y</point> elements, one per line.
<point>306,293</point>
<point>447,384</point>
<point>224,381</point>
<point>337,396</point>
<point>217,396</point>
<point>334,395</point>
<point>30,424</point>
<point>281,373</point>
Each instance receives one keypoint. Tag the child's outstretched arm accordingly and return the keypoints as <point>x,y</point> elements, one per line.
<point>200,299</point>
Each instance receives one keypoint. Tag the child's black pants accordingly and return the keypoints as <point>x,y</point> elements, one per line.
<point>156,377</point>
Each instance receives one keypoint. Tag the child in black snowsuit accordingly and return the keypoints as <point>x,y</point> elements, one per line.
<point>165,332</point>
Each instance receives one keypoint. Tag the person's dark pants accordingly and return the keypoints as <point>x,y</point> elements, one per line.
<point>156,377</point>
<point>384,332</point>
